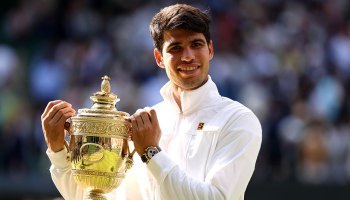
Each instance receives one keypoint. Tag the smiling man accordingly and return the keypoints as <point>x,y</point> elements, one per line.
<point>195,144</point>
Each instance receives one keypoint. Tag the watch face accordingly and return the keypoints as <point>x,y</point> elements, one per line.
<point>151,152</point>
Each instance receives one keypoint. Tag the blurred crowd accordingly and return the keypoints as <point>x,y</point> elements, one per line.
<point>287,60</point>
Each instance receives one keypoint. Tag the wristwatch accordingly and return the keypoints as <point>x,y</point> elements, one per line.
<point>149,153</point>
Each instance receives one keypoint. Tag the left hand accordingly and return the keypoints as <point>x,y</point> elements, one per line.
<point>145,129</point>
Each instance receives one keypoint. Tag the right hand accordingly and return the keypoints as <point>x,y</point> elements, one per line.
<point>53,120</point>
<point>145,129</point>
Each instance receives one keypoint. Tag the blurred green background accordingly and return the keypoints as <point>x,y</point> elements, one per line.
<point>287,60</point>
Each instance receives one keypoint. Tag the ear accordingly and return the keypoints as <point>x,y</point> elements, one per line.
<point>211,50</point>
<point>159,58</point>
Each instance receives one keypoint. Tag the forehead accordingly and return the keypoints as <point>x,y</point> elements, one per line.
<point>181,36</point>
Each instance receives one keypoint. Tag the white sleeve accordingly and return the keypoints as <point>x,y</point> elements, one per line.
<point>62,176</point>
<point>230,169</point>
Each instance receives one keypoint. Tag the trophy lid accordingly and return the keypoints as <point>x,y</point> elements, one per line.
<point>104,103</point>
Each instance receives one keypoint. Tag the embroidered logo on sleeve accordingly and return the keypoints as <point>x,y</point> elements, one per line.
<point>200,126</point>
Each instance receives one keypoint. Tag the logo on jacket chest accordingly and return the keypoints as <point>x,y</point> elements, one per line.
<point>200,126</point>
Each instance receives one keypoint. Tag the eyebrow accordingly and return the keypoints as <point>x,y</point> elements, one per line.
<point>192,41</point>
<point>198,40</point>
<point>173,44</point>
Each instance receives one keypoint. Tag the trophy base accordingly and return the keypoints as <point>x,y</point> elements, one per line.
<point>95,195</point>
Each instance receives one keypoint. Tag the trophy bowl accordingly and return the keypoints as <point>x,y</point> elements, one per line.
<point>98,148</point>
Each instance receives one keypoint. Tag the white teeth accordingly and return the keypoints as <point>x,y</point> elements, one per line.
<point>188,68</point>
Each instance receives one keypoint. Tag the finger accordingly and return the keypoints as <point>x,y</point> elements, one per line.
<point>58,119</point>
<point>52,112</point>
<point>49,106</point>
<point>133,124</point>
<point>145,118</point>
<point>56,108</point>
<point>154,118</point>
<point>138,119</point>
<point>128,121</point>
<point>66,127</point>
<point>65,114</point>
<point>60,112</point>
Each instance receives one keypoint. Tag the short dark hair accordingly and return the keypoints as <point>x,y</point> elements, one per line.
<point>179,16</point>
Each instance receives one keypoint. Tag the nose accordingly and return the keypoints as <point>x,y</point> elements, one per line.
<point>187,55</point>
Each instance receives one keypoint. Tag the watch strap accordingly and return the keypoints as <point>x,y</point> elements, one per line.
<point>144,158</point>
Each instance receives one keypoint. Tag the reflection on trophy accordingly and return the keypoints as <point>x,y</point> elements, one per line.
<point>98,149</point>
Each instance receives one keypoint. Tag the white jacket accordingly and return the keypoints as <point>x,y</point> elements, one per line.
<point>209,151</point>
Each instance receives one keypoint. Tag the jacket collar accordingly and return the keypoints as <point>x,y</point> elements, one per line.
<point>192,100</point>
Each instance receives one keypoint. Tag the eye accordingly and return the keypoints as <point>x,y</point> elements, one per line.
<point>174,49</point>
<point>197,44</point>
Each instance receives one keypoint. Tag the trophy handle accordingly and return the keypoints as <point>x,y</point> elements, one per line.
<point>126,149</point>
<point>67,129</point>
<point>66,145</point>
<point>129,155</point>
<point>130,160</point>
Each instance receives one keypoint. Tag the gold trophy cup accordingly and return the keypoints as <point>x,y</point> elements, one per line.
<point>98,149</point>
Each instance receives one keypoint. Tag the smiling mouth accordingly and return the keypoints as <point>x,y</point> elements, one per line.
<point>188,69</point>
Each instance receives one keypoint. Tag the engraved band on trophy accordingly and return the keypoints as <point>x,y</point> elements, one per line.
<point>98,149</point>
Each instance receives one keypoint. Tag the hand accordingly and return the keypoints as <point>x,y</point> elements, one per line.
<point>145,129</point>
<point>53,123</point>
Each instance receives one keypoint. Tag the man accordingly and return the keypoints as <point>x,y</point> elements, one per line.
<point>195,144</point>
